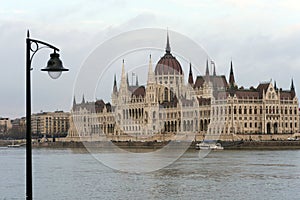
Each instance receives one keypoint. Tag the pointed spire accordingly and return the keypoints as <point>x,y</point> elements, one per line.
<point>213,63</point>
<point>74,101</point>
<point>83,100</point>
<point>123,66</point>
<point>123,77</point>
<point>275,85</point>
<point>115,88</point>
<point>191,81</point>
<point>168,48</point>
<point>127,79</point>
<point>231,76</point>
<point>292,85</point>
<point>28,34</point>
<point>150,72</point>
<point>207,69</point>
<point>293,93</point>
<point>123,70</point>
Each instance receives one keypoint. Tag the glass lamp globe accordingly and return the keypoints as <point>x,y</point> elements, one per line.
<point>54,66</point>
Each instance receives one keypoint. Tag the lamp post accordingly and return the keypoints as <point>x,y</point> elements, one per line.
<point>54,68</point>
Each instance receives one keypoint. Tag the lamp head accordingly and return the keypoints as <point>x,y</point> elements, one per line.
<point>54,66</point>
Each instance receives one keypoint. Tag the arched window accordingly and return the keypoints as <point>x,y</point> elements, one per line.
<point>260,110</point>
<point>166,94</point>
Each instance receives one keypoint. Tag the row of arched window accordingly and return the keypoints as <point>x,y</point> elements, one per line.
<point>254,110</point>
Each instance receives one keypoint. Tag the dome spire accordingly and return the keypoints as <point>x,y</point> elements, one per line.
<point>168,48</point>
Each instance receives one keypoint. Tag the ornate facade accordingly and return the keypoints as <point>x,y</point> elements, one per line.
<point>168,106</point>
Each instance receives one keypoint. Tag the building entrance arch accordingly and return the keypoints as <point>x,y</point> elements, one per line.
<point>268,128</point>
<point>275,126</point>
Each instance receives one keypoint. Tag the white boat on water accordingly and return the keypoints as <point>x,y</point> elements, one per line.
<point>209,146</point>
<point>13,145</point>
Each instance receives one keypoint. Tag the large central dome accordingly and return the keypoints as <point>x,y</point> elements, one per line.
<point>168,64</point>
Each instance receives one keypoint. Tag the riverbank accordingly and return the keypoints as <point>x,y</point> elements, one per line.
<point>233,145</point>
<point>265,145</point>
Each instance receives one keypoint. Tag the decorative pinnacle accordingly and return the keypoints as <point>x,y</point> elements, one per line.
<point>292,85</point>
<point>28,35</point>
<point>207,69</point>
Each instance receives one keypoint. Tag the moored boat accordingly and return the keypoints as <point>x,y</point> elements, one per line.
<point>209,146</point>
<point>13,145</point>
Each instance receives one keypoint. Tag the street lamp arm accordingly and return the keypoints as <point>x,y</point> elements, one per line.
<point>43,43</point>
<point>37,47</point>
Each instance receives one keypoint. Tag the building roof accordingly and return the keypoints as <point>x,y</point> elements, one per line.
<point>168,64</point>
<point>92,107</point>
<point>247,94</point>
<point>199,82</point>
<point>217,81</point>
<point>286,95</point>
<point>262,87</point>
<point>139,92</point>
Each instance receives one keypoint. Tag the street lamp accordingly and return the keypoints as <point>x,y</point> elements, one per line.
<point>54,69</point>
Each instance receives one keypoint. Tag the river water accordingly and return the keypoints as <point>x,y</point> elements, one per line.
<point>76,174</point>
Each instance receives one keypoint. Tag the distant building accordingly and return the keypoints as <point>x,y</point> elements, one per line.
<point>5,125</point>
<point>168,105</point>
<point>18,130</point>
<point>19,123</point>
<point>50,123</point>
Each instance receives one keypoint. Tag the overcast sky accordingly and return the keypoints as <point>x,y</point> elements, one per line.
<point>261,37</point>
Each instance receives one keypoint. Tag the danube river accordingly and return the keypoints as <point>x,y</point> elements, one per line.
<point>76,174</point>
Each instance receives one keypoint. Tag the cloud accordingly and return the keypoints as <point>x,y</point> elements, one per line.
<point>261,37</point>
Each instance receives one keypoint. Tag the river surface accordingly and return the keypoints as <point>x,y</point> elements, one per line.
<point>76,174</point>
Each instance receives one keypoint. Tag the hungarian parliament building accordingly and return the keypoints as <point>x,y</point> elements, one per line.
<point>169,105</point>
